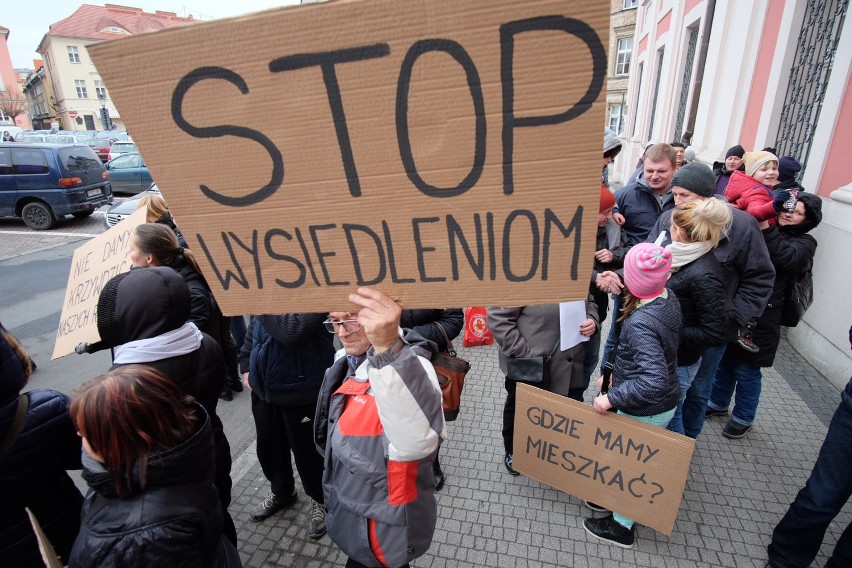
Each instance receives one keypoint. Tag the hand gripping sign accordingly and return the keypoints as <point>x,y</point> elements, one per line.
<point>623,464</point>
<point>446,152</point>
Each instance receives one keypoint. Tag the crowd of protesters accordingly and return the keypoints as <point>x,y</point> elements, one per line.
<point>698,262</point>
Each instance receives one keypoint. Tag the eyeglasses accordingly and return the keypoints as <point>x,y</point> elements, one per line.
<point>333,326</point>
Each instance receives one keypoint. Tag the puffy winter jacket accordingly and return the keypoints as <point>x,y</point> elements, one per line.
<point>700,289</point>
<point>641,209</point>
<point>748,271</point>
<point>32,474</point>
<point>749,195</point>
<point>378,428</point>
<point>644,379</point>
<point>286,357</point>
<point>174,521</point>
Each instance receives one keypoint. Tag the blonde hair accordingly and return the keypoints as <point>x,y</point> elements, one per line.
<point>629,305</point>
<point>703,221</point>
<point>156,205</point>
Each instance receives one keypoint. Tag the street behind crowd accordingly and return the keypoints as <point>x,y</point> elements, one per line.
<point>736,492</point>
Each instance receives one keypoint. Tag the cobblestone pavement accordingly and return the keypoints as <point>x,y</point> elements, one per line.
<point>737,490</point>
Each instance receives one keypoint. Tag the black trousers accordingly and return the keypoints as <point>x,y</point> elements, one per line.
<point>285,429</point>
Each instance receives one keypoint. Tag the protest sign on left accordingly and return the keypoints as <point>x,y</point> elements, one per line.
<point>93,265</point>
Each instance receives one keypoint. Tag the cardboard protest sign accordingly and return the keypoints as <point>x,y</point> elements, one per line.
<point>620,463</point>
<point>94,263</point>
<point>446,152</point>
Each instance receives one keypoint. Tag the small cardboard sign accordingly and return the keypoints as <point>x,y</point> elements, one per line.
<point>627,466</point>
<point>94,263</point>
<point>446,152</point>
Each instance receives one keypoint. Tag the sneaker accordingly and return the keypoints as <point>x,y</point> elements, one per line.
<point>710,412</point>
<point>226,393</point>
<point>745,340</point>
<point>610,530</point>
<point>595,507</point>
<point>235,384</point>
<point>317,526</point>
<point>271,505</point>
<point>507,461</point>
<point>734,431</point>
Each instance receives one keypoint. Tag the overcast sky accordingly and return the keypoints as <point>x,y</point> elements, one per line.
<point>27,25</point>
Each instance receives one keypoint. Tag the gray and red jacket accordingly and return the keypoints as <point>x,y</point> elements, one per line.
<point>378,428</point>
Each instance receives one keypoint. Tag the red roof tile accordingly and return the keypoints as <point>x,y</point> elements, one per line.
<point>89,21</point>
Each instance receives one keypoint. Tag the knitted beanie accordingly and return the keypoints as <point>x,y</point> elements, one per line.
<point>737,151</point>
<point>646,270</point>
<point>607,199</point>
<point>697,178</point>
<point>788,167</point>
<point>753,161</point>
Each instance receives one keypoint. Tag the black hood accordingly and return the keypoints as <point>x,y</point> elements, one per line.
<point>813,214</point>
<point>142,303</point>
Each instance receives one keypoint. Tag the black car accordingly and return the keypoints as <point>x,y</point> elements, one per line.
<point>126,208</point>
<point>42,183</point>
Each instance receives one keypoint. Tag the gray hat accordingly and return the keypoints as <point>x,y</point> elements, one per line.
<point>697,178</point>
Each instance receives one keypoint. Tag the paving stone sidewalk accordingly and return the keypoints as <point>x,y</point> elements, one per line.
<point>737,490</point>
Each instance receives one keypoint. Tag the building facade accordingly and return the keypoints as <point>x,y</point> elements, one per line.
<point>763,73</point>
<point>81,100</point>
<point>39,97</point>
<point>10,89</point>
<point>622,28</point>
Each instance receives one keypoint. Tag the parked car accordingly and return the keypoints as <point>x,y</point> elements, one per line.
<point>128,174</point>
<point>32,138</point>
<point>126,208</point>
<point>119,148</point>
<point>100,146</point>
<point>44,182</point>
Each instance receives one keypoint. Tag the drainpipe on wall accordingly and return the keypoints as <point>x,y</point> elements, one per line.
<point>699,71</point>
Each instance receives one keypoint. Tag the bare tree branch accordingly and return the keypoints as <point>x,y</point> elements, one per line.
<point>12,104</point>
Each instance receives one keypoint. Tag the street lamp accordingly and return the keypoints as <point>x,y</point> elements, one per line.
<point>104,112</point>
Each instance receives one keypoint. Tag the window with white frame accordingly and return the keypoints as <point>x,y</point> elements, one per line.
<point>73,54</point>
<point>616,122</point>
<point>630,4</point>
<point>100,89</point>
<point>622,59</point>
<point>81,89</point>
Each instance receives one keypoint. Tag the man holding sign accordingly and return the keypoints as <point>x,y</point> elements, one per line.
<point>379,424</point>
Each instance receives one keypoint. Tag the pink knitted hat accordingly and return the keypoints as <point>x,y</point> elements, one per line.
<point>646,269</point>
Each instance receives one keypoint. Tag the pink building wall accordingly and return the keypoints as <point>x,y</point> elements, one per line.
<point>760,79</point>
<point>10,79</point>
<point>836,171</point>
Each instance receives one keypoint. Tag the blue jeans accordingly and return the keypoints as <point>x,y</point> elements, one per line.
<point>686,374</point>
<point>745,379</point>
<point>614,329</point>
<point>695,402</point>
<point>660,420</point>
<point>797,538</point>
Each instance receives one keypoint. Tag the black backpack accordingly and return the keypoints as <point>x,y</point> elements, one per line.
<point>797,298</point>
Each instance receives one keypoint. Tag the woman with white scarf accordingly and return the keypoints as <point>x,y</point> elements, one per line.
<point>697,280</point>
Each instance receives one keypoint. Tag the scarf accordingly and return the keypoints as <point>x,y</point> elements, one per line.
<point>684,253</point>
<point>180,341</point>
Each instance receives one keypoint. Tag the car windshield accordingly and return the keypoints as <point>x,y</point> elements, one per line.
<point>95,143</point>
<point>79,158</point>
<point>32,138</point>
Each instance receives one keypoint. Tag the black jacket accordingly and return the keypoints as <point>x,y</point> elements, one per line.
<point>700,288</point>
<point>422,322</point>
<point>792,252</point>
<point>286,357</point>
<point>748,270</point>
<point>644,379</point>
<point>174,521</point>
<point>204,312</point>
<point>32,474</point>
